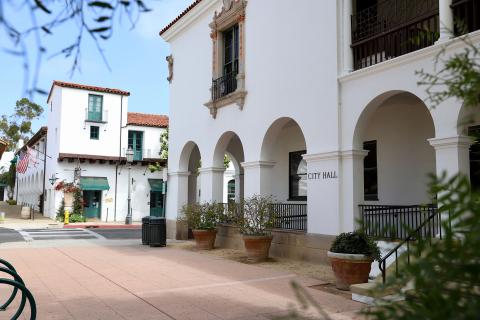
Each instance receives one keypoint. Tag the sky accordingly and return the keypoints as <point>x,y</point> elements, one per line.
<point>136,58</point>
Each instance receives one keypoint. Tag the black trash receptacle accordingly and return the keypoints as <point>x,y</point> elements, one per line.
<point>158,232</point>
<point>146,230</point>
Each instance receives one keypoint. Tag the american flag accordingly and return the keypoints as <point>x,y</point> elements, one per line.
<point>23,161</point>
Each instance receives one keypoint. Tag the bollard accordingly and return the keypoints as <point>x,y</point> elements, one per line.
<point>66,218</point>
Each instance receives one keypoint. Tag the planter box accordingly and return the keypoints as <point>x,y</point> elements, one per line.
<point>350,268</point>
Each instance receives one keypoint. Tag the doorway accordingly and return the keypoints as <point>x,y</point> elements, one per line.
<point>156,204</point>
<point>92,200</point>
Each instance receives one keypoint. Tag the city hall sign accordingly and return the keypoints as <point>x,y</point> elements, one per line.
<point>322,175</point>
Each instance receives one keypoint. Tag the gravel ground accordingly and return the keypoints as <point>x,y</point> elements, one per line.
<point>318,271</point>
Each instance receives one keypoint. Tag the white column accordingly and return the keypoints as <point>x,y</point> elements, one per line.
<point>347,37</point>
<point>177,194</point>
<point>452,155</point>
<point>446,20</point>
<point>351,190</point>
<point>257,177</point>
<point>238,191</point>
<point>211,184</point>
<point>323,188</point>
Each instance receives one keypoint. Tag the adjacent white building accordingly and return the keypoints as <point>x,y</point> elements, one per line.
<point>88,132</point>
<point>316,103</point>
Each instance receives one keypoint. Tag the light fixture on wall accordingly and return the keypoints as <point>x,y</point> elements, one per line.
<point>53,179</point>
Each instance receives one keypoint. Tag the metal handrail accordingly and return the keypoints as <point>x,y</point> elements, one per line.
<point>382,264</point>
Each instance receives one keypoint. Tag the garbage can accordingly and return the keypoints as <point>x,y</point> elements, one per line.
<point>146,230</point>
<point>158,232</point>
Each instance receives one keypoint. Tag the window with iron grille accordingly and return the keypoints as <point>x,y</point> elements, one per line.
<point>370,171</point>
<point>297,176</point>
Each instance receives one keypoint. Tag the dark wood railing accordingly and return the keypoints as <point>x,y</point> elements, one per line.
<point>392,28</point>
<point>288,216</point>
<point>224,85</point>
<point>396,222</point>
<point>466,16</point>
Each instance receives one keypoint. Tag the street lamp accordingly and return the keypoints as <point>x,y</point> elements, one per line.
<point>129,155</point>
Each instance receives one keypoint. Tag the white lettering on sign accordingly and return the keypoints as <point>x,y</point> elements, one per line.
<point>322,175</point>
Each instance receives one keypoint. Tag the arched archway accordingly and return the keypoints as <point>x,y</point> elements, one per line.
<point>394,128</point>
<point>282,150</point>
<point>229,147</point>
<point>190,161</point>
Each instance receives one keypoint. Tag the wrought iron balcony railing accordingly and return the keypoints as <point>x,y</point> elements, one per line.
<point>96,116</point>
<point>224,85</point>
<point>392,28</point>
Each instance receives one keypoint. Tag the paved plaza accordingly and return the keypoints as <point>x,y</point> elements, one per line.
<point>121,279</point>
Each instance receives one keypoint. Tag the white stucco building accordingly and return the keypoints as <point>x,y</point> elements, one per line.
<point>88,132</point>
<point>316,103</point>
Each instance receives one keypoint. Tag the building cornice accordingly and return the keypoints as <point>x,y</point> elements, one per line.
<point>188,18</point>
<point>431,51</point>
<point>321,156</point>
<point>257,164</point>
<point>451,142</point>
<point>211,169</point>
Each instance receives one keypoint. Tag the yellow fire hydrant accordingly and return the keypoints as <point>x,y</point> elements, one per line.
<point>67,217</point>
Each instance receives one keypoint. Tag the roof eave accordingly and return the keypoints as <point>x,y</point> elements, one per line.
<point>171,32</point>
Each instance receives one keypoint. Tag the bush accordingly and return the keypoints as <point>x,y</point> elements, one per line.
<point>12,202</point>
<point>202,216</point>
<point>61,211</point>
<point>76,218</point>
<point>257,217</point>
<point>356,243</point>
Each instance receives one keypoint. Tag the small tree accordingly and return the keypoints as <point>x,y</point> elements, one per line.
<point>61,211</point>
<point>77,202</point>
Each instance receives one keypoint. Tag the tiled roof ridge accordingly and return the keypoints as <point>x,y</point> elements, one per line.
<point>66,84</point>
<point>147,119</point>
<point>184,12</point>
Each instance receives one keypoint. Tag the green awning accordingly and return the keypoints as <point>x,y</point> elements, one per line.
<point>156,184</point>
<point>94,183</point>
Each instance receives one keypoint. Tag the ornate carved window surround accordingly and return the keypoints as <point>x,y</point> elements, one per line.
<point>232,13</point>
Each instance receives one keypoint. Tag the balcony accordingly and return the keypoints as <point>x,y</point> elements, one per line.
<point>392,28</point>
<point>224,86</point>
<point>466,15</point>
<point>143,154</point>
<point>98,117</point>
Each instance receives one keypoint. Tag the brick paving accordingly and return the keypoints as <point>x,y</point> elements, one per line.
<point>126,281</point>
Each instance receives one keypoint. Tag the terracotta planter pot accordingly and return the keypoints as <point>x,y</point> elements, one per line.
<point>350,268</point>
<point>204,239</point>
<point>257,247</point>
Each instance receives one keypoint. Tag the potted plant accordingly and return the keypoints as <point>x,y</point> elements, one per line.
<point>203,219</point>
<point>351,256</point>
<point>255,225</point>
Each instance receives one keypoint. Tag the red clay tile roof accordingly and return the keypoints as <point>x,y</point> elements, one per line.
<point>190,7</point>
<point>86,87</point>
<point>147,120</point>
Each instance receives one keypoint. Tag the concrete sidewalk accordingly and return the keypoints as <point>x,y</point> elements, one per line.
<point>126,281</point>
<point>13,219</point>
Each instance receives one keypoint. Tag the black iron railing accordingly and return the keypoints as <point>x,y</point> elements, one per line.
<point>224,85</point>
<point>17,284</point>
<point>288,216</point>
<point>392,28</point>
<point>396,222</point>
<point>466,15</point>
<point>413,236</point>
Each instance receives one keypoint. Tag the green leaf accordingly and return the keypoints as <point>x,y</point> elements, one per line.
<point>41,6</point>
<point>101,29</point>
<point>102,18</point>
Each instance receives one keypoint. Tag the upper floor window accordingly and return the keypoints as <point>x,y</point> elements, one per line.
<point>94,132</point>
<point>95,107</point>
<point>230,51</point>
<point>135,141</point>
<point>228,64</point>
<point>297,176</point>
